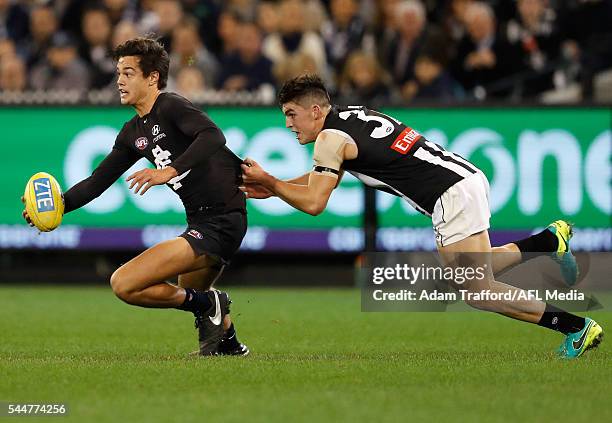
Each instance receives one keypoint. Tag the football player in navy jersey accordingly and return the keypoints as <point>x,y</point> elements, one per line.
<point>191,158</point>
<point>390,156</point>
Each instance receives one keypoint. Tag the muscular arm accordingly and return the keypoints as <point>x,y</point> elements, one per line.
<point>303,179</point>
<point>207,137</point>
<point>312,197</point>
<point>108,171</point>
<point>300,180</point>
<point>258,191</point>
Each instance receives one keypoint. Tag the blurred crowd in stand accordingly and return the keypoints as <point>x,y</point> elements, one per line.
<point>375,52</point>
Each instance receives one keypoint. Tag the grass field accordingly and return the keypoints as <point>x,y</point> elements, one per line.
<point>315,357</point>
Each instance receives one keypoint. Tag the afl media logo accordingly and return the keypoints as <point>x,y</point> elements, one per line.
<point>141,143</point>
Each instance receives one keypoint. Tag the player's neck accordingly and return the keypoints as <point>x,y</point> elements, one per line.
<point>144,105</point>
<point>321,122</point>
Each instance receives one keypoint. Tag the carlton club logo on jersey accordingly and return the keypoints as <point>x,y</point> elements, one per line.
<point>141,143</point>
<point>195,234</point>
<point>405,140</point>
<point>155,130</point>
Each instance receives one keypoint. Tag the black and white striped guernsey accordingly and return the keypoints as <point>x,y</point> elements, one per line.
<point>395,158</point>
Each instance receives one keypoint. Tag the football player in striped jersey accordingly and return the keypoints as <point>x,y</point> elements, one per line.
<point>388,155</point>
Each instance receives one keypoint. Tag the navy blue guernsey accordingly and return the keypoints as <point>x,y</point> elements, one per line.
<point>174,133</point>
<point>395,158</point>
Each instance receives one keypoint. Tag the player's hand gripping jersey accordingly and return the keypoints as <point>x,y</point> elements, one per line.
<point>177,134</point>
<point>395,158</point>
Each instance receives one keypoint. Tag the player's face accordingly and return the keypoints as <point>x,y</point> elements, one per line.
<point>302,121</point>
<point>133,86</point>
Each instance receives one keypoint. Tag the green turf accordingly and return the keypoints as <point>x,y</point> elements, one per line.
<point>315,357</point>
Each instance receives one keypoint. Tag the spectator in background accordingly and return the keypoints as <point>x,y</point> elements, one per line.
<point>385,31</point>
<point>146,19</point>
<point>188,50</point>
<point>432,81</point>
<point>8,57</point>
<point>452,19</point>
<point>267,16</point>
<point>13,74</point>
<point>344,33</point>
<point>412,34</point>
<point>7,48</point>
<point>295,65</point>
<point>206,12</point>
<point>246,9</point>
<point>247,69</point>
<point>62,69</point>
<point>534,34</point>
<point>119,10</point>
<point>484,59</point>
<point>190,83</point>
<point>293,38</point>
<point>588,24</point>
<point>95,49</point>
<point>169,14</point>
<point>43,24</point>
<point>314,15</point>
<point>227,28</point>
<point>14,21</point>
<point>363,81</point>
<point>123,31</point>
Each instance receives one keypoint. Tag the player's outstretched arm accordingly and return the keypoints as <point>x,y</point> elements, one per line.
<point>259,192</point>
<point>312,192</point>
<point>300,180</point>
<point>118,161</point>
<point>311,198</point>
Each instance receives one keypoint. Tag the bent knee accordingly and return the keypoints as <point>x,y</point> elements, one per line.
<point>121,286</point>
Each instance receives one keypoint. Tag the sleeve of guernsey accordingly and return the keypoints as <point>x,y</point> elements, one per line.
<point>120,159</point>
<point>207,137</point>
<point>328,154</point>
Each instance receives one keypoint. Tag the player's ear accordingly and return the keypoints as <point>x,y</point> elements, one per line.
<point>316,111</point>
<point>153,78</point>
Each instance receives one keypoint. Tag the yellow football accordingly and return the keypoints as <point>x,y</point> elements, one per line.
<point>44,201</point>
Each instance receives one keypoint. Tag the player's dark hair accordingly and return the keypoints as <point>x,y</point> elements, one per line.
<point>298,88</point>
<point>152,57</point>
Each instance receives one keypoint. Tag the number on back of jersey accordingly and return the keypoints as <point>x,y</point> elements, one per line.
<point>386,126</point>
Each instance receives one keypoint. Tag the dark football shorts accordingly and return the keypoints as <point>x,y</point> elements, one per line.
<point>218,236</point>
